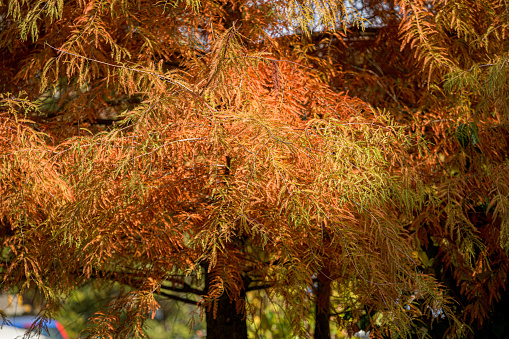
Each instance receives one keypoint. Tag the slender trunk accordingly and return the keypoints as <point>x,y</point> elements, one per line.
<point>322,311</point>
<point>226,323</point>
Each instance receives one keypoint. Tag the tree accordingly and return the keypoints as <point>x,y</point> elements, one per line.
<point>233,161</point>
<point>440,68</point>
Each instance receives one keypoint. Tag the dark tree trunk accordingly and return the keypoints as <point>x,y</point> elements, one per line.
<point>322,311</point>
<point>227,323</point>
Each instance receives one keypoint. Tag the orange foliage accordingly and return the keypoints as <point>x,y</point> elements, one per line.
<point>153,143</point>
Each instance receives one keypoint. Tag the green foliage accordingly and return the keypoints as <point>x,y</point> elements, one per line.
<point>467,133</point>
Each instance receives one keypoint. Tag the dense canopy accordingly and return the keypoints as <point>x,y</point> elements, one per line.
<point>350,157</point>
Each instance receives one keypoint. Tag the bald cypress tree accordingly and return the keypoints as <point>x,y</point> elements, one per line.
<point>200,148</point>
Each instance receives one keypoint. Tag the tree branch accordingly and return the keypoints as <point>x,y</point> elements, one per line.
<point>259,287</point>
<point>177,298</point>
<point>185,288</point>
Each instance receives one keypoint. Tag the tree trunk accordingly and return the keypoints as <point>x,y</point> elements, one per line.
<point>227,323</point>
<point>322,311</point>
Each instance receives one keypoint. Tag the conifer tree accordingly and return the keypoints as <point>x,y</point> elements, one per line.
<point>440,69</point>
<point>197,147</point>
